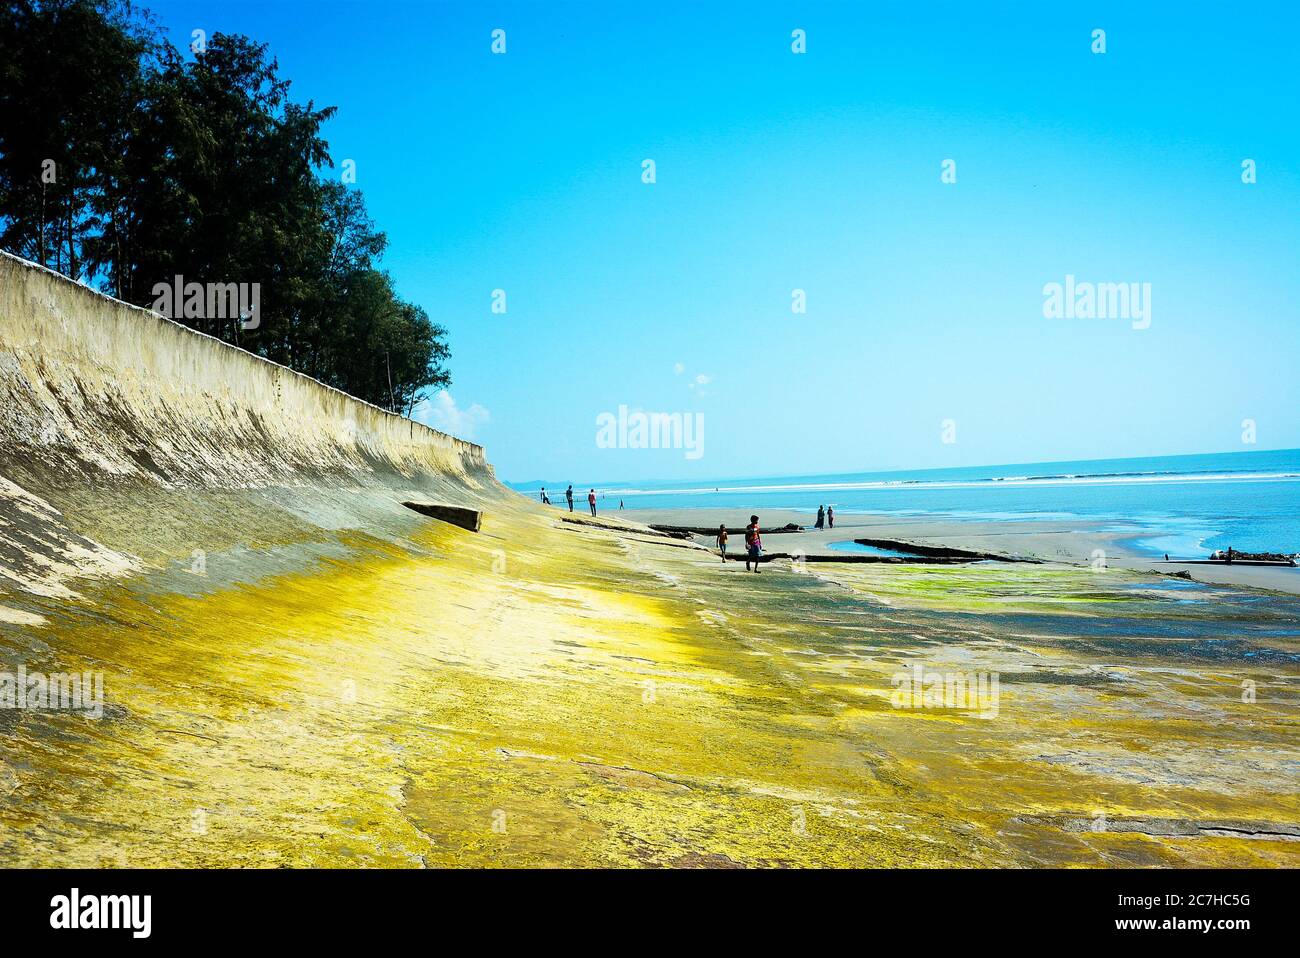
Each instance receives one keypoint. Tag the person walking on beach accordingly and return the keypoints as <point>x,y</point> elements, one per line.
<point>821,518</point>
<point>545,501</point>
<point>722,541</point>
<point>753,544</point>
<point>568,494</point>
<point>591,501</point>
<point>830,518</point>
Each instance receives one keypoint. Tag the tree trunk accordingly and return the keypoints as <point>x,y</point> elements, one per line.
<point>40,241</point>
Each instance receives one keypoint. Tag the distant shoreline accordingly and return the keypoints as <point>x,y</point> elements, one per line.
<point>1183,506</point>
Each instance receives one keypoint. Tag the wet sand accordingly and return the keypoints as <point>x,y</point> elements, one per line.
<point>1068,542</point>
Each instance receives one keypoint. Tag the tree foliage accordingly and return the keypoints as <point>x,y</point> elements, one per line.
<point>125,163</point>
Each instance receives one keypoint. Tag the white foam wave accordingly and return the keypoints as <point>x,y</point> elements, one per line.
<point>993,482</point>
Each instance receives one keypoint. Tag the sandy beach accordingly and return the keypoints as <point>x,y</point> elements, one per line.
<point>1071,543</point>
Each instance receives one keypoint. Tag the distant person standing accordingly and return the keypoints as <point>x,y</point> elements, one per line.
<point>830,518</point>
<point>753,544</point>
<point>722,541</point>
<point>545,501</point>
<point>620,504</point>
<point>591,501</point>
<point>568,494</point>
<point>821,518</point>
<point>1229,555</point>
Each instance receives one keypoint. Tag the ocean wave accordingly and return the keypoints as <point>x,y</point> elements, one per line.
<point>1115,478</point>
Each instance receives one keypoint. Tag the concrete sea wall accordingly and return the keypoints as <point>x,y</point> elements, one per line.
<point>123,434</point>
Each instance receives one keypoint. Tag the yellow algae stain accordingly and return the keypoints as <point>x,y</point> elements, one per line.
<point>528,696</point>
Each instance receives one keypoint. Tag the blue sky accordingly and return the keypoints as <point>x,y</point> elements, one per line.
<point>821,172</point>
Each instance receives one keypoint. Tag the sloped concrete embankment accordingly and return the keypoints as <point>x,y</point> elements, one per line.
<point>129,443</point>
